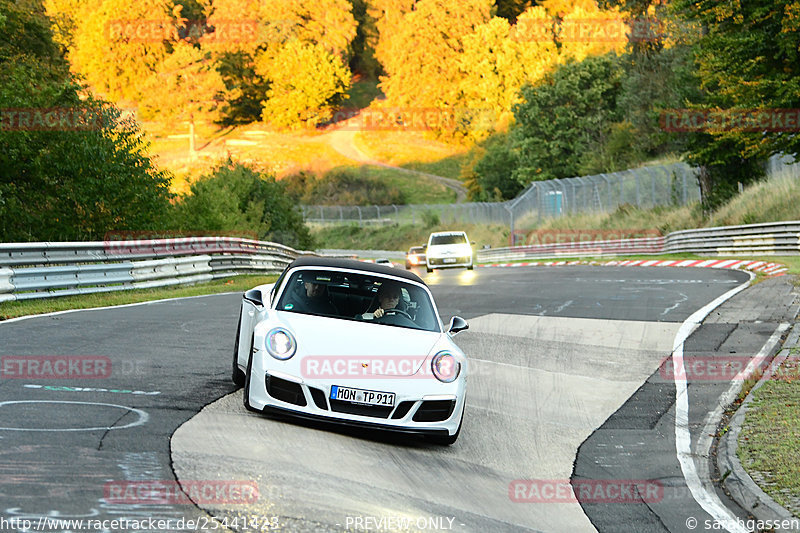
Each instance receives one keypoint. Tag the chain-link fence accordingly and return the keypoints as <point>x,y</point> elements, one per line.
<point>672,184</point>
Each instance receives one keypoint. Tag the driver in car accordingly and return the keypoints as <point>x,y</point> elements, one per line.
<point>388,298</point>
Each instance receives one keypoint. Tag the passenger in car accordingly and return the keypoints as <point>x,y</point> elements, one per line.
<point>312,299</point>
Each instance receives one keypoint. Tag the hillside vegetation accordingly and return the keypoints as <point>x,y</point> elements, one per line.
<point>497,92</point>
<point>769,201</point>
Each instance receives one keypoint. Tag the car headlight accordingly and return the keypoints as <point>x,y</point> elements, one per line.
<point>280,344</point>
<point>445,367</point>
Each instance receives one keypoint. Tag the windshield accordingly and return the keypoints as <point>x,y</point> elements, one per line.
<point>359,297</point>
<point>455,238</point>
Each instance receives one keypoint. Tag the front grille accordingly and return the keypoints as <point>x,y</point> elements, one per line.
<point>340,406</point>
<point>285,391</point>
<point>402,410</point>
<point>434,411</point>
<point>319,398</point>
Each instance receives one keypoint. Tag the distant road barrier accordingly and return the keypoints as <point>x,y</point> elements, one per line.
<point>48,269</point>
<point>773,238</point>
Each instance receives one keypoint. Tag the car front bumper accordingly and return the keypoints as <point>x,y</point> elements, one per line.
<point>423,405</point>
<point>447,262</point>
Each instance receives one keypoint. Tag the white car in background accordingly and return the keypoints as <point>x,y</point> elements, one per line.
<point>314,345</point>
<point>449,249</point>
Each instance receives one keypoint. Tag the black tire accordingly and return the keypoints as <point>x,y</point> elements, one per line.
<point>246,390</point>
<point>447,440</point>
<point>470,267</point>
<point>237,376</point>
<point>429,269</point>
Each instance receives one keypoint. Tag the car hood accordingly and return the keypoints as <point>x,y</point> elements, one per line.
<point>322,337</point>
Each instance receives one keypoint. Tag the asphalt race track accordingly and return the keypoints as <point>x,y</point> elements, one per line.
<point>557,355</point>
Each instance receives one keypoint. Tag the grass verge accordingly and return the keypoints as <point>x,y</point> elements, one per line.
<point>88,301</point>
<point>769,443</point>
<point>400,236</point>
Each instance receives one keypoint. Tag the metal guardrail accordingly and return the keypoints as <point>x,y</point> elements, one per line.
<point>773,238</point>
<point>49,269</point>
<point>639,246</point>
<point>44,270</point>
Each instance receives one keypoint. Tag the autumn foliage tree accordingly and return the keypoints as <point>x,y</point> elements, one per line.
<point>307,82</point>
<point>119,44</point>
<point>422,60</point>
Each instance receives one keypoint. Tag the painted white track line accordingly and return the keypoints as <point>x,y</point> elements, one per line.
<point>703,495</point>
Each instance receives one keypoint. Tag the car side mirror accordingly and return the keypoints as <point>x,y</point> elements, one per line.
<point>254,296</point>
<point>457,324</point>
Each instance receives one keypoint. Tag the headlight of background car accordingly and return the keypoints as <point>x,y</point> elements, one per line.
<point>445,367</point>
<point>280,343</point>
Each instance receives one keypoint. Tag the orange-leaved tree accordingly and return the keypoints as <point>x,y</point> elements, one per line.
<point>119,44</point>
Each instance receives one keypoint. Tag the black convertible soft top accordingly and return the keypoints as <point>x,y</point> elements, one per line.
<point>333,262</point>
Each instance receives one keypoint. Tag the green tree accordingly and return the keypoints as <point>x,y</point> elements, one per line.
<point>234,198</point>
<point>68,179</point>
<point>748,58</point>
<point>492,170</point>
<point>567,114</point>
<point>363,60</point>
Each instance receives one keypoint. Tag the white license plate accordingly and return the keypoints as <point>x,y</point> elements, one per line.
<point>449,260</point>
<point>369,397</point>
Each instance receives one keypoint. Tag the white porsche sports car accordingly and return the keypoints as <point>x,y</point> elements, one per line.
<point>352,343</point>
